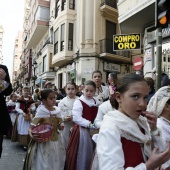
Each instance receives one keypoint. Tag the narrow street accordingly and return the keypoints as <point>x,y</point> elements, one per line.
<point>12,156</point>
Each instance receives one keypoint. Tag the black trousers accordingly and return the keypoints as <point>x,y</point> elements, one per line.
<point>1,141</point>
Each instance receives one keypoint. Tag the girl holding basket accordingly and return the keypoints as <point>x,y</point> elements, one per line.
<point>46,150</point>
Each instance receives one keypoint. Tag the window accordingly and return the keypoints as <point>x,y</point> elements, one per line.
<point>57,8</point>
<point>164,59</point>
<point>72,4</point>
<point>110,31</point>
<point>56,41</point>
<point>44,63</point>
<point>168,58</point>
<point>70,37</point>
<point>63,7</point>
<point>62,36</point>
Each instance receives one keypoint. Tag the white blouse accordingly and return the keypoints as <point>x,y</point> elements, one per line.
<point>77,111</point>
<point>103,109</point>
<point>109,146</point>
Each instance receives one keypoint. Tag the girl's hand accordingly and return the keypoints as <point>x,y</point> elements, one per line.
<point>68,118</point>
<point>156,160</point>
<point>152,120</point>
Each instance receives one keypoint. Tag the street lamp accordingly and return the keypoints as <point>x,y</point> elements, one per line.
<point>34,67</point>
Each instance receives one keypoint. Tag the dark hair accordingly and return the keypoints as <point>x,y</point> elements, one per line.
<point>150,82</point>
<point>26,87</point>
<point>90,82</point>
<point>97,71</point>
<point>123,85</point>
<point>113,75</point>
<point>36,90</point>
<point>12,95</point>
<point>45,93</point>
<point>72,83</point>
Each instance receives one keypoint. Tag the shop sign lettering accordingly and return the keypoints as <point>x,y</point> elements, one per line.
<point>126,42</point>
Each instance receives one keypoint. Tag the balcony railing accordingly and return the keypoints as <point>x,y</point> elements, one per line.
<point>48,41</point>
<point>106,46</point>
<point>111,3</point>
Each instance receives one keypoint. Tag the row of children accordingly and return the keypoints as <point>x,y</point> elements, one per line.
<point>128,138</point>
<point>51,154</point>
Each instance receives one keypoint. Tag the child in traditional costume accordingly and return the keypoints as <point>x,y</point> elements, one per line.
<point>46,152</point>
<point>128,133</point>
<point>102,92</point>
<point>66,106</point>
<point>160,105</point>
<point>80,147</point>
<point>23,106</point>
<point>12,112</point>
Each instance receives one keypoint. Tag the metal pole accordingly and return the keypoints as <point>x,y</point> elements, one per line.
<point>159,58</point>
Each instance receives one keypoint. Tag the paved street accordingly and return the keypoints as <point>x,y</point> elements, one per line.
<point>12,156</point>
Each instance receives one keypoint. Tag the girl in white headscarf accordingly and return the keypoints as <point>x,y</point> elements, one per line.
<point>160,106</point>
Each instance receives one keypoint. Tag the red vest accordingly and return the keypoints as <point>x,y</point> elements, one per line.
<point>89,113</point>
<point>25,104</point>
<point>132,153</point>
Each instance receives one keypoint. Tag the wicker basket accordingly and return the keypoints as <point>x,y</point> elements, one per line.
<point>43,131</point>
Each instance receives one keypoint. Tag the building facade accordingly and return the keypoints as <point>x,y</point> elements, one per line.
<point>17,58</point>
<point>138,16</point>
<point>71,39</point>
<point>83,40</point>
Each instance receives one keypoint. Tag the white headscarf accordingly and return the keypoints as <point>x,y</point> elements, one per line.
<point>158,101</point>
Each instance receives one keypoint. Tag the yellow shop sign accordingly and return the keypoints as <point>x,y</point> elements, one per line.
<point>126,42</point>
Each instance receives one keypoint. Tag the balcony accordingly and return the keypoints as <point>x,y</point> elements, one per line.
<point>47,75</point>
<point>40,23</point>
<point>48,41</point>
<point>106,52</point>
<point>109,9</point>
<point>62,59</point>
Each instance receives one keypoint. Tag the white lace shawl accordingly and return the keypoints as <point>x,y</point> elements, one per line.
<point>158,101</point>
<point>11,103</point>
<point>42,111</point>
<point>130,129</point>
<point>164,126</point>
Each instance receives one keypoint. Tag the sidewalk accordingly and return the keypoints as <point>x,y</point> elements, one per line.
<point>12,156</point>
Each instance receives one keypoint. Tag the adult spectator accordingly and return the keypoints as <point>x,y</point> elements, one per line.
<point>164,78</point>
<point>5,121</point>
<point>48,85</point>
<point>80,90</point>
<point>150,83</point>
